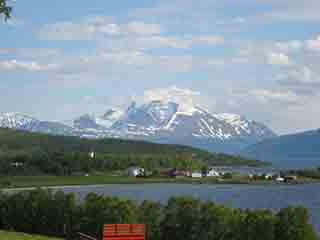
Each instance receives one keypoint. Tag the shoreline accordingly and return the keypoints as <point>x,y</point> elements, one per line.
<point>134,181</point>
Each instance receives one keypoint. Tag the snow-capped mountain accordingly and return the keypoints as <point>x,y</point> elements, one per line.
<point>146,119</point>
<point>109,118</point>
<point>17,121</point>
<point>165,122</point>
<point>86,122</point>
<point>23,122</point>
<point>157,121</point>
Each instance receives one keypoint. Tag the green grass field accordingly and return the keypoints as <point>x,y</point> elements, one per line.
<point>22,236</point>
<point>39,181</point>
<point>50,181</point>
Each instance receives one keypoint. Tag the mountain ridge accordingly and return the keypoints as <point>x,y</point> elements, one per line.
<point>295,150</point>
<point>156,121</point>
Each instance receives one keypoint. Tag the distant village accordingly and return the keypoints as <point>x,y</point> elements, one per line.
<point>212,172</point>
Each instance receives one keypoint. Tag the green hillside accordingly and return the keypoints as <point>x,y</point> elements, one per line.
<point>22,236</point>
<point>25,153</point>
<point>301,150</point>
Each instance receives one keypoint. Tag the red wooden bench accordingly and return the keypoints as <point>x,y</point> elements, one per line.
<point>124,232</point>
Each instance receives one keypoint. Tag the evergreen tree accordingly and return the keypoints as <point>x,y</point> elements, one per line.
<point>5,9</point>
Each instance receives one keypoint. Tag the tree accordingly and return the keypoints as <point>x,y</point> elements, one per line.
<point>293,223</point>
<point>258,224</point>
<point>5,9</point>
<point>98,210</point>
<point>150,213</point>
<point>217,222</point>
<point>181,220</point>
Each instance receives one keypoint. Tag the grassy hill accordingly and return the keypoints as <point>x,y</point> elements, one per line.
<point>22,236</point>
<point>23,153</point>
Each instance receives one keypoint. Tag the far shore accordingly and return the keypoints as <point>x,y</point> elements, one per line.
<point>26,183</point>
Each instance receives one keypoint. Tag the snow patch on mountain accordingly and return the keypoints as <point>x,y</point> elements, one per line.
<point>15,120</point>
<point>109,118</point>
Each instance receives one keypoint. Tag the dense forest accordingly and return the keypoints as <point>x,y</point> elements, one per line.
<point>25,153</point>
<point>60,214</point>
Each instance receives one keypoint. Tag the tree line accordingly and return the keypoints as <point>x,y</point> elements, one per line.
<point>25,153</point>
<point>38,162</point>
<point>308,173</point>
<point>181,218</point>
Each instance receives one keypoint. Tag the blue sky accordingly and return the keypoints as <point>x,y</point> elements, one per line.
<point>258,58</point>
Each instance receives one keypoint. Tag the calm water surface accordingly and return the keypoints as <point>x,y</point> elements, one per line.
<point>240,196</point>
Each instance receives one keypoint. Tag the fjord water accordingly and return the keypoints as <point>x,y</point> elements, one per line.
<point>241,196</point>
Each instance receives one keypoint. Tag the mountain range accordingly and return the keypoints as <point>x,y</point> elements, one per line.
<point>155,121</point>
<point>300,150</point>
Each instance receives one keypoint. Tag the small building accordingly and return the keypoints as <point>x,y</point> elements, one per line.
<point>280,179</point>
<point>196,175</point>
<point>17,164</point>
<point>212,173</point>
<point>290,178</point>
<point>268,176</point>
<point>92,154</point>
<point>174,173</point>
<point>136,171</point>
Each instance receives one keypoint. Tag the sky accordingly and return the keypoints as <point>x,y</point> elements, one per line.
<point>258,58</point>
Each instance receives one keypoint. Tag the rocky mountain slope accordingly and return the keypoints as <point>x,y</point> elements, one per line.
<point>156,121</point>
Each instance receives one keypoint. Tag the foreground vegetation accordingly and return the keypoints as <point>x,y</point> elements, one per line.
<point>22,236</point>
<point>25,153</point>
<point>58,214</point>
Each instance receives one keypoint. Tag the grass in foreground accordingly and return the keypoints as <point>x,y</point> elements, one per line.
<point>22,236</point>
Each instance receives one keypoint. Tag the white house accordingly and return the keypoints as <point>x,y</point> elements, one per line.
<point>17,164</point>
<point>268,176</point>
<point>196,175</point>
<point>135,171</point>
<point>92,154</point>
<point>213,173</point>
<point>280,179</point>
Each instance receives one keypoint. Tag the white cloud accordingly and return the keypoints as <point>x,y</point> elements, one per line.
<point>134,35</point>
<point>240,20</point>
<point>289,11</point>
<point>178,42</point>
<point>143,28</point>
<point>278,59</point>
<point>293,45</point>
<point>184,97</point>
<point>95,27</point>
<point>304,75</point>
<point>14,65</point>
<point>299,45</point>
<point>210,40</point>
<point>4,51</point>
<point>283,96</point>
<point>161,42</point>
<point>313,44</point>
